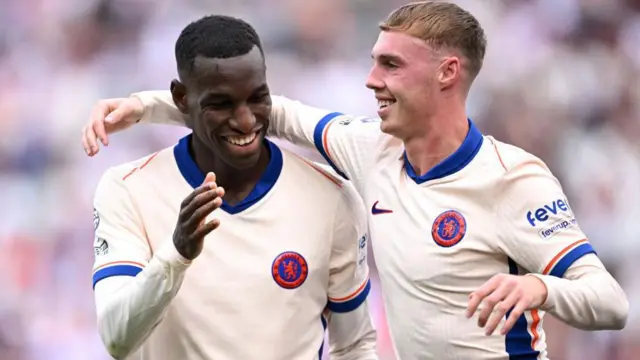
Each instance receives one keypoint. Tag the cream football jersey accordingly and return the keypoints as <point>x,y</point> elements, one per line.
<point>489,208</point>
<point>295,247</point>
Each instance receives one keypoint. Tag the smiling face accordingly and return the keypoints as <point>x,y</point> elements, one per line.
<point>404,80</point>
<point>228,103</point>
<point>425,59</point>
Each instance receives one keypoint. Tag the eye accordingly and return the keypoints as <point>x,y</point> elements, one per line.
<point>389,64</point>
<point>258,98</point>
<point>218,105</point>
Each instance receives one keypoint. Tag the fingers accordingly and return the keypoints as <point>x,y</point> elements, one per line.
<point>201,212</point>
<point>515,314</point>
<point>96,128</point>
<point>199,190</point>
<point>200,203</point>
<point>490,302</point>
<point>500,295</point>
<point>85,143</point>
<point>89,138</point>
<point>476,297</point>
<point>206,228</point>
<point>200,196</point>
<point>499,312</point>
<point>208,183</point>
<point>108,116</point>
<point>100,128</point>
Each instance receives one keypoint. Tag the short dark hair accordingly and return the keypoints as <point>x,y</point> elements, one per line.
<point>217,37</point>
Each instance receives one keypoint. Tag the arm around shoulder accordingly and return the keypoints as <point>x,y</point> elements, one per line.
<point>159,108</point>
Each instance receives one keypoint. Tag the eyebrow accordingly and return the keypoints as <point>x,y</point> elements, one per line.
<point>213,96</point>
<point>388,57</point>
<point>224,96</point>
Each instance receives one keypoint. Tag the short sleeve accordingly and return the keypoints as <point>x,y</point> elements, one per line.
<point>538,228</point>
<point>120,244</point>
<point>345,141</point>
<point>349,283</point>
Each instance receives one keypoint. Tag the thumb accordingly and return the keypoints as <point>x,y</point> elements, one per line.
<point>210,178</point>
<point>114,117</point>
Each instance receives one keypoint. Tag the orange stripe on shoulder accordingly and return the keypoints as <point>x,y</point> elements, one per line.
<point>499,157</point>
<point>322,171</point>
<point>141,166</point>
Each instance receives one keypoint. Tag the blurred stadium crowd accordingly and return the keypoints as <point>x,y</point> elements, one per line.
<point>561,79</point>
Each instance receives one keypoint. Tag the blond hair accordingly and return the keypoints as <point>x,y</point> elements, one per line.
<point>442,25</point>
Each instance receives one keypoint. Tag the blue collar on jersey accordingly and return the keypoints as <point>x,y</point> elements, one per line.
<point>454,162</point>
<point>195,177</point>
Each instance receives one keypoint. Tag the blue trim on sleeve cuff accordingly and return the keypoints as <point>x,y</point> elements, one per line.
<point>116,270</point>
<point>317,140</point>
<point>350,305</point>
<point>561,267</point>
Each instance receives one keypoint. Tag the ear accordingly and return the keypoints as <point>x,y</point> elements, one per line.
<point>179,94</point>
<point>448,72</point>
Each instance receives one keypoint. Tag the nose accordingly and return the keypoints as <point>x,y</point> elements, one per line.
<point>244,120</point>
<point>374,81</point>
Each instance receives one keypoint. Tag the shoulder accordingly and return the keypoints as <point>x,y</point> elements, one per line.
<point>527,182</point>
<point>322,180</point>
<point>518,164</point>
<point>123,176</point>
<point>321,175</point>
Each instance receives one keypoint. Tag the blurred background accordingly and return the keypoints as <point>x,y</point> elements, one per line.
<point>561,79</point>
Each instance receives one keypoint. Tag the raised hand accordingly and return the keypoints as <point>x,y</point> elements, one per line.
<point>192,226</point>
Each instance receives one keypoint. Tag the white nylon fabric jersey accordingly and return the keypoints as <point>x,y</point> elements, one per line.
<point>488,208</point>
<point>263,280</point>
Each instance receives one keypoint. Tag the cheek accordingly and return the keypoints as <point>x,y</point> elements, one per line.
<point>407,88</point>
<point>208,121</point>
<point>261,112</point>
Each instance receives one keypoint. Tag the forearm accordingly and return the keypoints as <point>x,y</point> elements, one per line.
<point>352,335</point>
<point>159,108</point>
<point>294,122</point>
<point>129,308</point>
<point>588,298</point>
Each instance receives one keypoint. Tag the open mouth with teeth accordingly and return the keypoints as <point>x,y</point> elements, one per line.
<point>243,140</point>
<point>385,103</point>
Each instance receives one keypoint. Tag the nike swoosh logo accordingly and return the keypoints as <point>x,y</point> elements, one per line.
<point>376,211</point>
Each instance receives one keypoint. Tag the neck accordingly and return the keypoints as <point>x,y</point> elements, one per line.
<point>237,183</point>
<point>441,137</point>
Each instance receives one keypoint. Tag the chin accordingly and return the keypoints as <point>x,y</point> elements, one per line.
<point>387,125</point>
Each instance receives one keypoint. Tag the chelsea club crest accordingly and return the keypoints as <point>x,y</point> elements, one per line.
<point>289,270</point>
<point>449,228</point>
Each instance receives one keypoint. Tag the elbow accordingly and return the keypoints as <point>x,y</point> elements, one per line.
<point>115,346</point>
<point>618,309</point>
<point>620,313</point>
<point>613,315</point>
<point>116,351</point>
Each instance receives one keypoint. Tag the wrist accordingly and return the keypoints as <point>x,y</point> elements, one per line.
<point>541,290</point>
<point>144,100</point>
<point>170,255</point>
